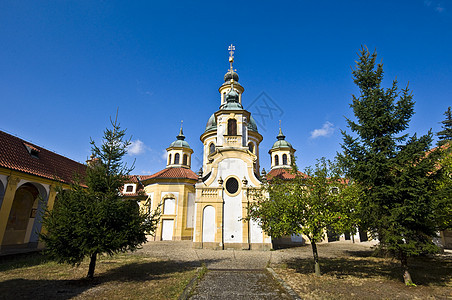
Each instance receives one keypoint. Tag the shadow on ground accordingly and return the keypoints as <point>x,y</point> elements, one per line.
<point>436,270</point>
<point>21,288</point>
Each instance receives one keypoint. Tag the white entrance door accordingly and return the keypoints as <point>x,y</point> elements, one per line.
<point>167,230</point>
<point>208,224</point>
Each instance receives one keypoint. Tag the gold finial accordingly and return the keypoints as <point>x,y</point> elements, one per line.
<point>279,124</point>
<point>181,132</point>
<point>231,49</point>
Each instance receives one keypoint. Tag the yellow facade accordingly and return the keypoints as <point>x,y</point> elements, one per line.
<point>159,191</point>
<point>20,207</point>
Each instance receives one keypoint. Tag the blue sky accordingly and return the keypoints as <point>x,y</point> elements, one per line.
<point>66,66</point>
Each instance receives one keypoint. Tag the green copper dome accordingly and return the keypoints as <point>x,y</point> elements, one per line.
<point>281,142</point>
<point>180,142</point>
<point>232,106</point>
<point>211,124</point>
<point>252,124</point>
<point>228,76</point>
<point>232,100</point>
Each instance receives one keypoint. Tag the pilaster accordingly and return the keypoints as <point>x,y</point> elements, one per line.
<point>50,203</point>
<point>7,203</point>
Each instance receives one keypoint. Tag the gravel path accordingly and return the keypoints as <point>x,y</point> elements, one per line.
<point>244,259</point>
<point>241,274</point>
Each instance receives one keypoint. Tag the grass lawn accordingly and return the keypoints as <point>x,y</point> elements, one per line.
<point>360,275</point>
<point>122,276</point>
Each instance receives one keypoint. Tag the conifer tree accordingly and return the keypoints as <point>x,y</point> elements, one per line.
<point>445,135</point>
<point>92,217</point>
<point>392,168</point>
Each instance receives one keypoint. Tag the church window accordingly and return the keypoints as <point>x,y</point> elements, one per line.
<point>169,206</point>
<point>176,159</point>
<point>251,147</point>
<point>232,127</point>
<point>211,148</point>
<point>284,159</point>
<point>232,185</point>
<point>129,189</point>
<point>276,160</point>
<point>169,159</point>
<point>185,160</point>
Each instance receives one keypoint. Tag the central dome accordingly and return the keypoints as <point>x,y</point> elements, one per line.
<point>212,124</point>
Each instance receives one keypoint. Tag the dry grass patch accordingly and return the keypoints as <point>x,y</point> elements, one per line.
<point>122,276</point>
<point>358,275</point>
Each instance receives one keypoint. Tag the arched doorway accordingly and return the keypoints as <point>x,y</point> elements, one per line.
<point>22,215</point>
<point>208,224</point>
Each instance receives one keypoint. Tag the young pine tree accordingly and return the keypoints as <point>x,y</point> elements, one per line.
<point>393,170</point>
<point>92,218</point>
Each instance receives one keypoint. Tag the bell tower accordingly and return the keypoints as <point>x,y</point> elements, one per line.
<point>230,169</point>
<point>179,152</point>
<point>282,152</point>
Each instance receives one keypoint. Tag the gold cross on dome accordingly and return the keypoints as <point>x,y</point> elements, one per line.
<point>231,50</point>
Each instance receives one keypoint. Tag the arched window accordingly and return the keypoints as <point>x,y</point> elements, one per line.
<point>276,160</point>
<point>169,159</point>
<point>251,147</point>
<point>232,127</point>
<point>211,148</point>
<point>185,160</point>
<point>176,159</point>
<point>284,159</point>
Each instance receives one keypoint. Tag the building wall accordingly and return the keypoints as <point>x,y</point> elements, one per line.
<point>21,208</point>
<point>183,193</point>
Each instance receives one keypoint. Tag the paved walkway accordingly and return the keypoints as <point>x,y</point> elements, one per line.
<point>239,284</point>
<point>239,274</point>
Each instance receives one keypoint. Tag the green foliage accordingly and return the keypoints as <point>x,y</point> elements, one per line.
<point>93,218</point>
<point>308,204</point>
<point>443,193</point>
<point>445,135</point>
<point>396,176</point>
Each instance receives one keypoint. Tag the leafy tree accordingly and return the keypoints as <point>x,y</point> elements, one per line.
<point>92,217</point>
<point>393,169</point>
<point>308,204</point>
<point>445,135</point>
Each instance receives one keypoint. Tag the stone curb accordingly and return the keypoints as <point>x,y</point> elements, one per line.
<point>288,289</point>
<point>190,286</point>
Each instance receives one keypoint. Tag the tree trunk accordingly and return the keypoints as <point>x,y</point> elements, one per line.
<point>316,258</point>
<point>406,273</point>
<point>92,265</point>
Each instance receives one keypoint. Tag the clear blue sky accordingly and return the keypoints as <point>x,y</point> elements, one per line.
<point>65,66</point>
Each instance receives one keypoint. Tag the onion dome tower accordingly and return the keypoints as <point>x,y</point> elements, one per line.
<point>230,169</point>
<point>222,131</point>
<point>179,152</point>
<point>281,154</point>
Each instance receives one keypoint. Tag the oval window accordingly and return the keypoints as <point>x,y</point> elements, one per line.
<point>232,185</point>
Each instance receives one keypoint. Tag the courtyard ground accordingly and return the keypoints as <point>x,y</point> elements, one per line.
<point>161,270</point>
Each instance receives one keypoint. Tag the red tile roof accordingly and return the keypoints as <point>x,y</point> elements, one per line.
<point>15,155</point>
<point>282,173</point>
<point>175,173</point>
<point>134,178</point>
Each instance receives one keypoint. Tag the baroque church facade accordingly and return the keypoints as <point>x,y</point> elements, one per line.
<point>210,207</point>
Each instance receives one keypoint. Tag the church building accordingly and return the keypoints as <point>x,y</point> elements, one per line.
<point>210,207</point>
